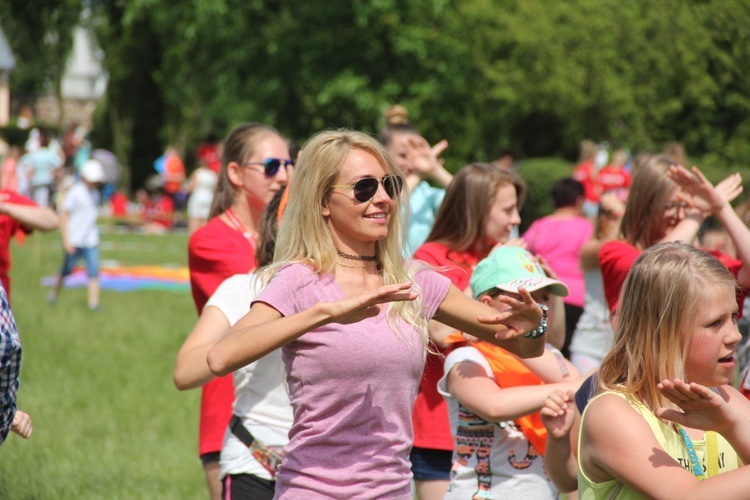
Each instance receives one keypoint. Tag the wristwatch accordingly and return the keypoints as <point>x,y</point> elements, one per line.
<point>542,328</point>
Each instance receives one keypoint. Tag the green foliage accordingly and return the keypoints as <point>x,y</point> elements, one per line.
<point>13,135</point>
<point>540,174</point>
<point>40,34</point>
<point>536,76</point>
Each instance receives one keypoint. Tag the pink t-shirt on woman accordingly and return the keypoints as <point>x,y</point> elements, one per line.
<point>559,240</point>
<point>352,388</point>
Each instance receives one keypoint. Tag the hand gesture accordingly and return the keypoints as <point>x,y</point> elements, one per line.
<point>22,424</point>
<point>520,318</point>
<point>731,187</point>
<point>702,408</point>
<point>558,413</point>
<point>425,160</point>
<point>366,305</point>
<point>702,194</point>
<point>611,204</point>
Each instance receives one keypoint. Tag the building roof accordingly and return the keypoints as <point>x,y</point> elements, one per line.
<point>7,61</point>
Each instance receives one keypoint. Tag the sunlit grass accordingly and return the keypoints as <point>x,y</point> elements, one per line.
<point>108,423</point>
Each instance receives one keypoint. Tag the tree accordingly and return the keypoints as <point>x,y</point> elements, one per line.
<point>40,33</point>
<point>532,75</point>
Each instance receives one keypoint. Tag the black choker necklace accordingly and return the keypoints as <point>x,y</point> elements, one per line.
<point>363,258</point>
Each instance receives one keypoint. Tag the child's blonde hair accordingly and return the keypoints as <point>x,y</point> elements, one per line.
<point>656,314</point>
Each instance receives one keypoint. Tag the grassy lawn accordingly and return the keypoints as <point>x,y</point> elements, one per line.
<point>108,422</point>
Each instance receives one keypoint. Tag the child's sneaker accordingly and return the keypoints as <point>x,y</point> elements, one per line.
<point>52,298</point>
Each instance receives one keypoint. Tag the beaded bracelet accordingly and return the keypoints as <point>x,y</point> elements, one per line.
<point>542,328</point>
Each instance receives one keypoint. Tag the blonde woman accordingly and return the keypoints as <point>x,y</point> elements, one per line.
<point>351,318</point>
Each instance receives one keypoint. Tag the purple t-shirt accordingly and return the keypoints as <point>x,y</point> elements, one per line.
<point>352,388</point>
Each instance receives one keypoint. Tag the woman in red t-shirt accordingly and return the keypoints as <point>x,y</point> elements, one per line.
<point>669,203</point>
<point>479,210</point>
<point>255,164</point>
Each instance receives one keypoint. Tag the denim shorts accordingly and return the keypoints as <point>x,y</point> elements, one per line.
<point>90,257</point>
<point>430,465</point>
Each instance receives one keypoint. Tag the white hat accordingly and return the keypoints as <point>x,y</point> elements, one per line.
<point>92,171</point>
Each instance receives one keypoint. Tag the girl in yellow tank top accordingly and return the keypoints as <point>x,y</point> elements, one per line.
<point>666,423</point>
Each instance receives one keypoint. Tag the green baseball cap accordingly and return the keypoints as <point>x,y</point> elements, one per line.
<point>508,268</point>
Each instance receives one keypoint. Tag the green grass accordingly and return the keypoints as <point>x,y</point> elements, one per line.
<point>108,422</point>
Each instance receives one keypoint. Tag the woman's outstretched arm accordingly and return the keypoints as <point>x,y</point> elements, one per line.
<point>191,369</point>
<point>505,329</point>
<point>264,329</point>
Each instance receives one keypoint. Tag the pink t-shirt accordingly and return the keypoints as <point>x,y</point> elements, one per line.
<point>559,240</point>
<point>352,388</point>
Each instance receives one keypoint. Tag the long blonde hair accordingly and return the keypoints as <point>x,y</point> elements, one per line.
<point>658,305</point>
<point>305,236</point>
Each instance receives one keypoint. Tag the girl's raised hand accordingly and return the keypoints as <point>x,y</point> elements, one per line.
<point>425,160</point>
<point>558,413</point>
<point>366,305</point>
<point>704,196</point>
<point>522,316</point>
<point>701,407</point>
<point>731,187</point>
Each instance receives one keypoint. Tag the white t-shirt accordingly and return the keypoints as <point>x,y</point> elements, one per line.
<point>80,203</point>
<point>593,336</point>
<point>512,467</point>
<point>199,203</point>
<point>261,398</point>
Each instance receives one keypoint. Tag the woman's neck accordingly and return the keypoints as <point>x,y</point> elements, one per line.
<point>357,277</point>
<point>246,215</point>
<point>481,249</point>
<point>567,212</point>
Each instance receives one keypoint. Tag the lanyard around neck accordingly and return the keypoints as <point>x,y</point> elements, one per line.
<point>712,454</point>
<point>238,225</point>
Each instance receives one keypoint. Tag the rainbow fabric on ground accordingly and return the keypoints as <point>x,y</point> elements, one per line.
<point>130,278</point>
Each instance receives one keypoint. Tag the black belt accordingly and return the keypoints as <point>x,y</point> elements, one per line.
<point>239,430</point>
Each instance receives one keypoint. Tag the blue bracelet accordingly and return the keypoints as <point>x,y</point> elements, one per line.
<point>542,328</point>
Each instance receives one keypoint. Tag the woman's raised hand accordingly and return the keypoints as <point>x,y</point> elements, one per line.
<point>366,305</point>
<point>425,160</point>
<point>701,407</point>
<point>522,316</point>
<point>703,195</point>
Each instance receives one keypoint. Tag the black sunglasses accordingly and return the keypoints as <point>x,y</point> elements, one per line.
<point>365,188</point>
<point>271,166</point>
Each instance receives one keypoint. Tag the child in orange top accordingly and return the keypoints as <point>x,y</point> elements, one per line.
<point>494,398</point>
